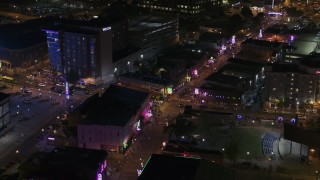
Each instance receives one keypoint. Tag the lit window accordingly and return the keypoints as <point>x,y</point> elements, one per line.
<point>273,89</point>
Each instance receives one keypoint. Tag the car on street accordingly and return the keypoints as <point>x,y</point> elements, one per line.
<point>41,85</point>
<point>27,101</point>
<point>60,84</point>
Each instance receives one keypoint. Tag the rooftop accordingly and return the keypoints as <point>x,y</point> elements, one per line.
<point>211,37</point>
<point>63,163</point>
<point>241,70</point>
<point>271,44</point>
<point>303,47</point>
<point>223,79</point>
<point>246,62</point>
<point>148,23</point>
<point>84,26</point>
<point>286,68</point>
<point>312,61</point>
<point>3,96</point>
<point>124,53</point>
<point>148,78</point>
<point>116,106</point>
<point>226,90</point>
<point>167,167</point>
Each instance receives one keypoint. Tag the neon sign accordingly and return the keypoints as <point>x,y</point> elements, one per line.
<point>196,91</point>
<point>138,126</point>
<point>233,40</point>
<point>99,176</point>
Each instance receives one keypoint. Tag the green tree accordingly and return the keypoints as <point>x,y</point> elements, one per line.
<point>246,12</point>
<point>235,19</point>
<point>232,151</point>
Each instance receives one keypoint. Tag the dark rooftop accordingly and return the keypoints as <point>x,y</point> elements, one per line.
<point>312,61</point>
<point>21,41</point>
<point>211,37</point>
<point>148,78</point>
<point>271,44</point>
<point>63,163</point>
<point>24,35</point>
<point>116,106</point>
<point>3,96</point>
<point>223,79</point>
<point>291,68</point>
<point>226,90</point>
<point>300,135</point>
<point>246,62</point>
<point>100,22</point>
<point>90,27</point>
<point>124,53</point>
<point>160,167</point>
<point>239,70</point>
<point>185,53</point>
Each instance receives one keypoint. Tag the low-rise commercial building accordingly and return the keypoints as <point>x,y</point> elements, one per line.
<point>110,121</point>
<point>261,51</point>
<point>23,45</point>
<point>65,163</point>
<point>151,83</point>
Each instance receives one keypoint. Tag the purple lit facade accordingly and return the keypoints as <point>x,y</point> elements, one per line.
<point>102,171</point>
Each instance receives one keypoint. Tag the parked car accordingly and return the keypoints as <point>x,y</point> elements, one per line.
<point>27,101</point>
<point>41,84</point>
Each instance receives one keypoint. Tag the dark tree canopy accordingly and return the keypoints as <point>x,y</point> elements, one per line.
<point>246,12</point>
<point>236,19</point>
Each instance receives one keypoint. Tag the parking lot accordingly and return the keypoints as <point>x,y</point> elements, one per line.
<point>32,110</point>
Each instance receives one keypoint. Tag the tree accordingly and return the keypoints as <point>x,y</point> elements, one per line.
<point>246,12</point>
<point>261,15</point>
<point>232,151</point>
<point>236,19</point>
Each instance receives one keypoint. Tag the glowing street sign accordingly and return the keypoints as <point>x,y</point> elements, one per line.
<point>138,126</point>
<point>195,72</point>
<point>196,91</point>
<point>233,40</point>
<point>99,176</point>
<point>260,33</point>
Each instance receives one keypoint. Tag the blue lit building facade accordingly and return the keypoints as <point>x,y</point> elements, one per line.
<point>54,49</point>
<point>84,50</point>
